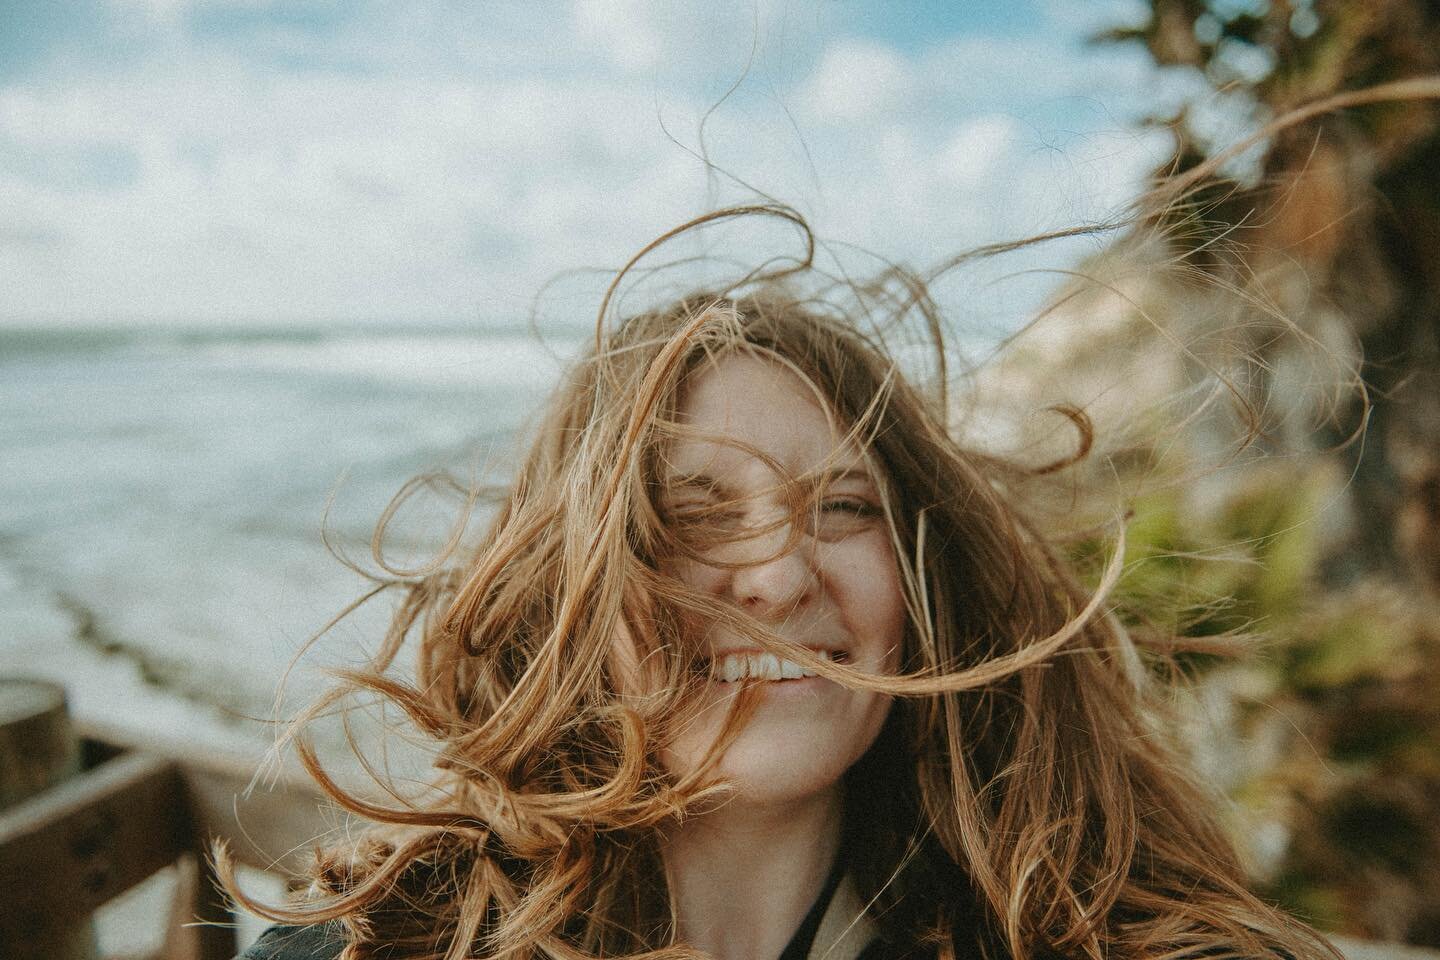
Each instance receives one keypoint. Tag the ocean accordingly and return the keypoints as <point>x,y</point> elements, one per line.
<point>162,492</point>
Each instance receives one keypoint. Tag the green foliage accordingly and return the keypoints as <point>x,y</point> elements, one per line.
<point>1332,731</point>
<point>1222,573</point>
<point>1329,719</point>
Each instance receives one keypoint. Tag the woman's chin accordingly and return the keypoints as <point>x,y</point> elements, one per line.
<point>797,744</point>
<point>764,784</point>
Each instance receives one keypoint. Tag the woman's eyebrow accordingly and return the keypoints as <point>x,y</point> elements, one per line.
<point>854,472</point>
<point>700,482</point>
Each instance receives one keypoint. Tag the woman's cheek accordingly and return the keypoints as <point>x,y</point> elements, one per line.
<point>864,580</point>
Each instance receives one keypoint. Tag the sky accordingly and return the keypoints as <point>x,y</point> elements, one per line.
<point>189,162</point>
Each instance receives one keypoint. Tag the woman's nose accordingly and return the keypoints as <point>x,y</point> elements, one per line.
<point>774,573</point>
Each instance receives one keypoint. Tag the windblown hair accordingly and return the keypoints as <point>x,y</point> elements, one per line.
<point>1023,799</point>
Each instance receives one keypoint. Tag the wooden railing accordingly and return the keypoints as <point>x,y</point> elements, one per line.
<point>139,807</point>
<point>135,809</point>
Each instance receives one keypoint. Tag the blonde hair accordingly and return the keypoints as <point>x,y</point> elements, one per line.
<point>1022,800</point>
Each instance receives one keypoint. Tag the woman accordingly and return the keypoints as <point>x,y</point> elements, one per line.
<point>756,661</point>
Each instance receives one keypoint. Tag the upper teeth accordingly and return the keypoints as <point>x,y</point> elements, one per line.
<point>763,666</point>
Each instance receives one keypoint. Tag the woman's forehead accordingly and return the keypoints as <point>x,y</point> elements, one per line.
<point>742,404</point>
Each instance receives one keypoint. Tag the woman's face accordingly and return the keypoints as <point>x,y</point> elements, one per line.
<point>835,589</point>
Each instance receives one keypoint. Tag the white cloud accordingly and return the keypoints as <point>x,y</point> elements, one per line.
<point>858,79</point>
<point>624,30</point>
<point>977,149</point>
<point>1094,16</point>
<point>443,168</point>
<point>167,12</point>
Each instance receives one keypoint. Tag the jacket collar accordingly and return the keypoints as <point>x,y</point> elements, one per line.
<point>844,930</point>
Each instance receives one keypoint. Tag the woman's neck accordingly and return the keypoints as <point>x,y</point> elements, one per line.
<point>743,876</point>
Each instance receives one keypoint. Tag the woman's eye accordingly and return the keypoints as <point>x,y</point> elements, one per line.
<point>854,506</point>
<point>835,518</point>
<point>827,518</point>
<point>699,515</point>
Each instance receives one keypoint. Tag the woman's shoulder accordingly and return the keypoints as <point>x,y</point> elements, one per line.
<point>318,942</point>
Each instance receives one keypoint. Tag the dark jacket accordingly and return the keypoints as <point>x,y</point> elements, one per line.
<point>829,929</point>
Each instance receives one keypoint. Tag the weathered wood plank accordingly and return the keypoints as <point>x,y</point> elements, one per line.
<point>38,749</point>
<point>72,848</point>
<point>271,828</point>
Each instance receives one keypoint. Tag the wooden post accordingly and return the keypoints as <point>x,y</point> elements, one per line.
<point>39,749</point>
<point>38,746</point>
<point>200,925</point>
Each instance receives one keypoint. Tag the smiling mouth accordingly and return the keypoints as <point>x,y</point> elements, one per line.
<point>757,665</point>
